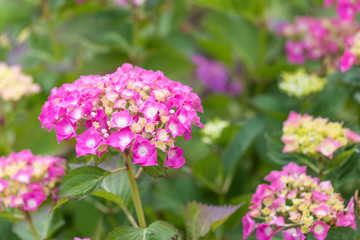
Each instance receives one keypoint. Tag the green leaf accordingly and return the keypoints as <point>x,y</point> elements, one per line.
<point>45,225</point>
<point>11,216</point>
<point>200,218</point>
<point>276,105</point>
<point>209,171</point>
<point>242,141</point>
<point>158,171</point>
<point>158,230</point>
<point>337,233</point>
<point>328,103</point>
<point>82,181</point>
<point>60,202</point>
<point>116,188</point>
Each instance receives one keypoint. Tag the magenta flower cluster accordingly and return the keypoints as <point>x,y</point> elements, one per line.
<point>131,109</point>
<point>296,204</point>
<point>346,9</point>
<point>214,75</point>
<point>26,180</point>
<point>313,38</point>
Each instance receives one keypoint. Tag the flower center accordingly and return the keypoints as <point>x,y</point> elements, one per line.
<point>172,127</point>
<point>142,151</point>
<point>121,122</point>
<point>172,154</point>
<point>68,129</point>
<point>125,141</point>
<point>31,203</point>
<point>319,229</point>
<point>90,143</point>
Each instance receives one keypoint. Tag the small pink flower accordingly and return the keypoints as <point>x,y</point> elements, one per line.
<point>248,226</point>
<point>295,52</point>
<point>326,186</point>
<point>88,142</point>
<point>144,152</point>
<point>65,129</point>
<point>151,109</point>
<point>76,114</point>
<point>321,211</point>
<point>121,119</point>
<point>264,232</point>
<point>23,176</point>
<point>175,127</point>
<point>352,136</point>
<point>328,146</point>
<point>121,139</point>
<point>347,60</point>
<point>346,10</point>
<point>320,230</point>
<point>319,197</point>
<point>33,200</point>
<point>185,117</point>
<point>291,144</point>
<point>3,184</point>
<point>349,218</point>
<point>294,169</point>
<point>174,157</point>
<point>294,234</point>
<point>162,135</point>
<point>294,119</point>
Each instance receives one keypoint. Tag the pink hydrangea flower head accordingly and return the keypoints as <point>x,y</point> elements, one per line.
<point>29,179</point>
<point>328,146</point>
<point>123,110</point>
<point>294,198</point>
<point>320,38</point>
<point>315,136</point>
<point>347,61</point>
<point>320,230</point>
<point>214,75</point>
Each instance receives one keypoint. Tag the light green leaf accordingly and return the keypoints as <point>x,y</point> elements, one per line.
<point>82,181</point>
<point>45,225</point>
<point>158,230</point>
<point>60,202</point>
<point>158,171</point>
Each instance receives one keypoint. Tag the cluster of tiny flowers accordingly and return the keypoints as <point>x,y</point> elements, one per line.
<point>346,9</point>
<point>296,204</point>
<point>26,180</point>
<point>14,84</point>
<point>315,39</point>
<point>214,76</point>
<point>212,130</point>
<point>313,136</point>
<point>132,108</point>
<point>352,53</point>
<point>300,84</point>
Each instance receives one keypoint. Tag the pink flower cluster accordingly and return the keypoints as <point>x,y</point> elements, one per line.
<point>312,136</point>
<point>346,9</point>
<point>352,53</point>
<point>132,108</point>
<point>312,38</point>
<point>214,75</point>
<point>296,204</point>
<point>26,180</point>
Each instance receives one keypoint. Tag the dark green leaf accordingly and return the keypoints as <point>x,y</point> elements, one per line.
<point>158,171</point>
<point>82,181</point>
<point>158,230</point>
<point>200,218</point>
<point>242,141</point>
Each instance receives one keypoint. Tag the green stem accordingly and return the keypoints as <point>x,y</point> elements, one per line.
<point>321,169</point>
<point>135,192</point>
<point>31,224</point>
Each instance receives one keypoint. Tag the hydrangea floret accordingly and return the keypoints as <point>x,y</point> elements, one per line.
<point>132,109</point>
<point>26,180</point>
<point>14,84</point>
<point>212,130</point>
<point>315,136</point>
<point>296,204</point>
<point>317,38</point>
<point>301,84</point>
<point>346,9</point>
<point>352,53</point>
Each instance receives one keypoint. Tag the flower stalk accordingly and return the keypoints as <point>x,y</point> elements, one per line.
<point>135,192</point>
<point>31,224</point>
